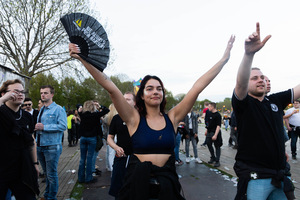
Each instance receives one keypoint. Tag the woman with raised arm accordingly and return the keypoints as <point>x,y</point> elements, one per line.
<point>152,130</point>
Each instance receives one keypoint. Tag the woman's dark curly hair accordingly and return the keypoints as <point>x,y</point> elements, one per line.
<point>140,104</point>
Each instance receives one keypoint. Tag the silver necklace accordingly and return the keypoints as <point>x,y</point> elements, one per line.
<point>20,115</point>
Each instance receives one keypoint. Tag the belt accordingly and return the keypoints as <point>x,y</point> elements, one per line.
<point>48,146</point>
<point>295,127</point>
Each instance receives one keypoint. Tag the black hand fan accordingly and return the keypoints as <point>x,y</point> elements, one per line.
<point>90,36</point>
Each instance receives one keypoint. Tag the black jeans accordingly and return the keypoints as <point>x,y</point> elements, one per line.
<point>209,143</point>
<point>71,136</point>
<point>233,136</point>
<point>19,190</point>
<point>295,133</point>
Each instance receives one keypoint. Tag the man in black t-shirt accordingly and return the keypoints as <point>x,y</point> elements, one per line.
<point>28,107</point>
<point>205,117</point>
<point>18,169</point>
<point>123,148</point>
<point>260,160</point>
<point>213,134</point>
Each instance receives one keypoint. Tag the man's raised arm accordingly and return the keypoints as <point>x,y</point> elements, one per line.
<point>252,45</point>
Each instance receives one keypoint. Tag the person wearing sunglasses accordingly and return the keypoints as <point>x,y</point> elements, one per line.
<point>18,169</point>
<point>27,105</point>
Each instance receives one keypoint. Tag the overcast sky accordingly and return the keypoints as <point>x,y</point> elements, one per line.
<point>180,40</point>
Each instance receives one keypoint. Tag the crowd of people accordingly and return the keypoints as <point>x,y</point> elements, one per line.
<point>143,138</point>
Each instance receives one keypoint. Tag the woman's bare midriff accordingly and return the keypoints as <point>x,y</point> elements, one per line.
<point>156,159</point>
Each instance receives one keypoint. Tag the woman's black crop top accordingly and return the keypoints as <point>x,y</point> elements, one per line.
<point>148,141</point>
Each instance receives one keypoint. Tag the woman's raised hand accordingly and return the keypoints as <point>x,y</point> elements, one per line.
<point>226,55</point>
<point>74,50</point>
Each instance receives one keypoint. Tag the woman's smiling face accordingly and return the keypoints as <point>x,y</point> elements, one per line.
<point>153,92</point>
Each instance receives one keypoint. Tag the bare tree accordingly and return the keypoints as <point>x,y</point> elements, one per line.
<point>32,39</point>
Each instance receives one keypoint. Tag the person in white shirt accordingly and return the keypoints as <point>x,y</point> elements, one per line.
<point>292,123</point>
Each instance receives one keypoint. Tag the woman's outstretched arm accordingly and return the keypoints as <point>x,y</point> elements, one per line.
<point>126,111</point>
<point>180,110</point>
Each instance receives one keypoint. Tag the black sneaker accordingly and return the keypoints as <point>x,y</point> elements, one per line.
<point>98,172</point>
<point>178,162</point>
<point>217,164</point>
<point>94,180</point>
<point>211,161</point>
<point>294,157</point>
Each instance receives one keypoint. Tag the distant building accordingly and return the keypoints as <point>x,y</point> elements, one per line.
<point>7,74</point>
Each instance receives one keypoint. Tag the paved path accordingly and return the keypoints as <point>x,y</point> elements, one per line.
<point>67,171</point>
<point>198,180</point>
<point>228,154</point>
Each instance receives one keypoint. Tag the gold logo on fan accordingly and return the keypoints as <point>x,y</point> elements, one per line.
<point>78,22</point>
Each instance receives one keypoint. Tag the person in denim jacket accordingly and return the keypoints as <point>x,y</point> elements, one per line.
<point>50,127</point>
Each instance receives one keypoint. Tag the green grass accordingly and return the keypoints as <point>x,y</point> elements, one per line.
<point>222,172</point>
<point>77,191</point>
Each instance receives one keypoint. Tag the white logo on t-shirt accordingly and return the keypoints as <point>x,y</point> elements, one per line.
<point>274,107</point>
